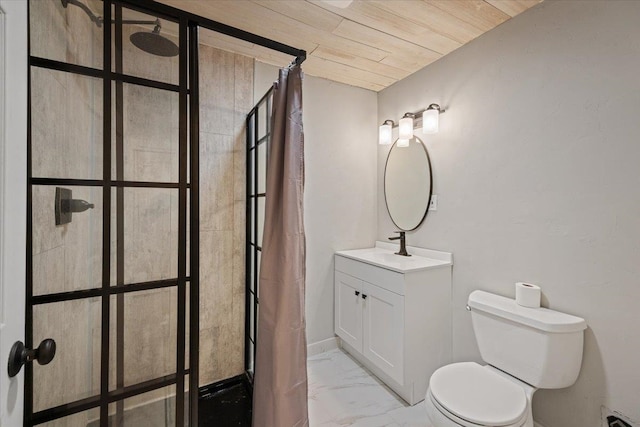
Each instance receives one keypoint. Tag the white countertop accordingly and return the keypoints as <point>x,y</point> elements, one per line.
<point>383,255</point>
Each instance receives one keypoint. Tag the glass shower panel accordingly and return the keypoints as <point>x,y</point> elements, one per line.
<point>262,121</point>
<point>149,221</point>
<point>66,257</point>
<point>139,255</point>
<point>74,373</point>
<point>262,167</point>
<point>260,219</point>
<point>154,409</point>
<point>251,269</point>
<point>150,132</point>
<point>66,129</point>
<point>257,290</point>
<point>65,32</point>
<point>147,347</point>
<point>88,418</point>
<point>143,34</point>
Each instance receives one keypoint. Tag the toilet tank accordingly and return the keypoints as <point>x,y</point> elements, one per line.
<point>539,346</point>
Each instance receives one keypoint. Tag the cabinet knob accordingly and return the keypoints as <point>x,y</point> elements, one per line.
<point>357,293</point>
<point>364,296</point>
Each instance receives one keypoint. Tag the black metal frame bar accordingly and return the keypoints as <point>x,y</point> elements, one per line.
<point>189,157</point>
<point>96,292</point>
<point>100,183</point>
<point>52,64</point>
<point>194,224</point>
<point>106,220</point>
<point>120,281</point>
<point>182,222</point>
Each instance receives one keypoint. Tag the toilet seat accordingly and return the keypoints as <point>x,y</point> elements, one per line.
<point>472,395</point>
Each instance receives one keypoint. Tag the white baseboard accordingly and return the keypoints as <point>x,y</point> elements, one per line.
<point>322,346</point>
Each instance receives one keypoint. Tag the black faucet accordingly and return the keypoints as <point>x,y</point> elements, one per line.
<point>403,243</point>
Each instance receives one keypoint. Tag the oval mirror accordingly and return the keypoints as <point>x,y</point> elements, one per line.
<point>408,184</point>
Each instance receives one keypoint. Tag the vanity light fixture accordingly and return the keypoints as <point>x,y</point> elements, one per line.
<point>428,119</point>
<point>385,131</point>
<point>431,119</point>
<point>405,126</point>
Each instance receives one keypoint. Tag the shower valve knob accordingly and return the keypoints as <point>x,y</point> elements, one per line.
<point>19,355</point>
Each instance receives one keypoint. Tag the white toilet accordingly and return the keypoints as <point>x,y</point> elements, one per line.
<point>525,348</point>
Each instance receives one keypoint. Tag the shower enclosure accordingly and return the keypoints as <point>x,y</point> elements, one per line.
<point>115,220</point>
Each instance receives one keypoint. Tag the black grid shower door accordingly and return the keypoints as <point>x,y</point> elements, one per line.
<point>258,131</point>
<point>110,284</point>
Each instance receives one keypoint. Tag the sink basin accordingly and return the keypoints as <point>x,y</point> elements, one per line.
<point>382,255</point>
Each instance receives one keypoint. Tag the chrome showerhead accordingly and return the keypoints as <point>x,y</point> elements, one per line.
<point>153,43</point>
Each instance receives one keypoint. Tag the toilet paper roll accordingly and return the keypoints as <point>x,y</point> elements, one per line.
<point>528,295</point>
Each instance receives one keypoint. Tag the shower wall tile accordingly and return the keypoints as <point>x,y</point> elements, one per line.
<point>239,246</point>
<point>209,355</point>
<point>243,87</point>
<point>215,277</point>
<point>66,125</point>
<point>48,270</point>
<point>216,182</point>
<point>239,170</point>
<point>149,233</point>
<point>226,84</point>
<point>64,34</point>
<point>217,91</point>
<point>244,104</point>
<point>150,134</point>
<point>149,347</point>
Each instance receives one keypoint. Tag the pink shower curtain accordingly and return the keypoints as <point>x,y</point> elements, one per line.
<point>280,386</point>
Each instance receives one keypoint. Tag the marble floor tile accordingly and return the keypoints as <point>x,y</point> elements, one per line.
<point>343,393</point>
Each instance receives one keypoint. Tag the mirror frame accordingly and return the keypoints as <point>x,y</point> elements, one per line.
<point>384,184</point>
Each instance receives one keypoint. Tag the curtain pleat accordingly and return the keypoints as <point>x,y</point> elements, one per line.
<point>280,385</point>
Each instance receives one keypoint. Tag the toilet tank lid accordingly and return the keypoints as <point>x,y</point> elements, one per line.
<point>539,318</point>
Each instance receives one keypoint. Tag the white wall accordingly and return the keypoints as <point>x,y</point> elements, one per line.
<point>340,126</point>
<point>536,169</point>
<point>13,204</point>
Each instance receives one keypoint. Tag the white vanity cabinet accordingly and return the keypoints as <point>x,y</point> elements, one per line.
<point>393,313</point>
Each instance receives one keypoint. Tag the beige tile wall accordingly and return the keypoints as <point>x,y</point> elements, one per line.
<point>226,96</point>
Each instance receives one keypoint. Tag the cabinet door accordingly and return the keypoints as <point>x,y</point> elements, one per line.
<point>348,309</point>
<point>383,330</point>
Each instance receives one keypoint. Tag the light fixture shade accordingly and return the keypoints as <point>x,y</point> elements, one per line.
<point>402,142</point>
<point>430,121</point>
<point>384,134</point>
<point>405,128</point>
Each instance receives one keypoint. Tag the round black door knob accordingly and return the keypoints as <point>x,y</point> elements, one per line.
<point>46,351</point>
<point>19,355</point>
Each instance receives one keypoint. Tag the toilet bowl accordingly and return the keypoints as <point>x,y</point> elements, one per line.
<point>525,349</point>
<point>471,395</point>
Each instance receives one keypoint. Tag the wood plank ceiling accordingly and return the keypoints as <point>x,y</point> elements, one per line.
<point>369,44</point>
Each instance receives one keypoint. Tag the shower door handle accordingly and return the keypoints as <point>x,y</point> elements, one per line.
<point>19,355</point>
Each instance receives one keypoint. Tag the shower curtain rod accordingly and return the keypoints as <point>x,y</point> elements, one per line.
<point>171,13</point>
